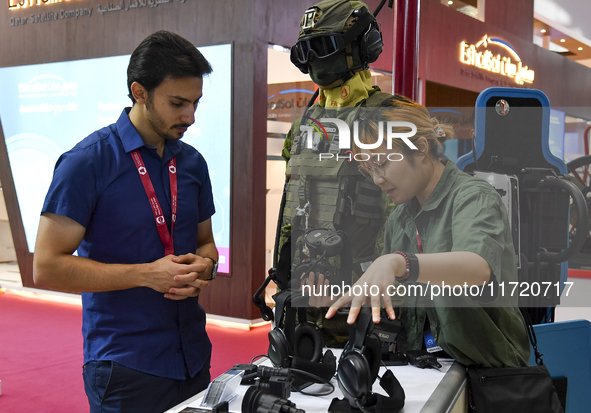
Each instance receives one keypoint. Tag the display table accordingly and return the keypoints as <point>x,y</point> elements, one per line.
<point>427,391</point>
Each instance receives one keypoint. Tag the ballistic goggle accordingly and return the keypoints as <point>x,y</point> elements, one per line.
<point>319,45</point>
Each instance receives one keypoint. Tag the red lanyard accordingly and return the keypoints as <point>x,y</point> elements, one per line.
<point>419,242</point>
<point>165,236</point>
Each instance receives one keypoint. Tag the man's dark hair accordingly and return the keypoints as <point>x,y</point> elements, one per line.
<point>164,54</point>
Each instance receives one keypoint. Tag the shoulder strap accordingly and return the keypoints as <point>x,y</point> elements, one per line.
<point>532,336</point>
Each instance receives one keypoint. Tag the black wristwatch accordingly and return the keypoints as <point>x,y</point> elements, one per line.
<point>214,270</point>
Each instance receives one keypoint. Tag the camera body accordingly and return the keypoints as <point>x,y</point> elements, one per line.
<point>315,246</point>
<point>279,386</point>
<point>273,381</point>
<point>257,401</point>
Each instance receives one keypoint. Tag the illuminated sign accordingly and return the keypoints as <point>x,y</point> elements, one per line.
<point>511,66</point>
<point>16,4</point>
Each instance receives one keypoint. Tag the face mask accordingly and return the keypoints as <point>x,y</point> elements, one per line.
<point>326,73</point>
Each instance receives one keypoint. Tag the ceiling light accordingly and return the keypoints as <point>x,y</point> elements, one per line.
<point>562,40</point>
<point>450,2</point>
<point>580,48</point>
<point>543,30</point>
<point>279,48</point>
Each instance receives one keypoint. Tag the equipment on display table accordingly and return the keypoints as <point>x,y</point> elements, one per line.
<point>426,390</point>
<point>298,347</point>
<point>256,401</point>
<point>359,365</point>
<point>358,369</point>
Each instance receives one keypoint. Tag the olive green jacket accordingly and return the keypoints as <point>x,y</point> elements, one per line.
<point>462,213</point>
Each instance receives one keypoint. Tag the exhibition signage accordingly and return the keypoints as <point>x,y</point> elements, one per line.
<point>508,64</point>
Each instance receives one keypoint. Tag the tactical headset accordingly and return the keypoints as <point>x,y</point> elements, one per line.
<point>329,57</point>
<point>306,352</point>
<point>358,369</point>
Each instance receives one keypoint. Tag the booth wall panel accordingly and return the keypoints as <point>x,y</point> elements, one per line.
<point>516,17</point>
<point>203,23</point>
<point>442,31</point>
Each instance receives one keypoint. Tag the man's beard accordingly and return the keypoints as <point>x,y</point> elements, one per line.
<point>158,124</point>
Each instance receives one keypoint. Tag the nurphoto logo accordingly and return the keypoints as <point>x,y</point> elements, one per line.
<point>344,134</point>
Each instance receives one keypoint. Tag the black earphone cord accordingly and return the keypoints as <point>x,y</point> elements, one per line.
<point>315,377</point>
<point>381,361</point>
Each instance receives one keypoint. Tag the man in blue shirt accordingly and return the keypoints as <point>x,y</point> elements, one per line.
<point>136,204</point>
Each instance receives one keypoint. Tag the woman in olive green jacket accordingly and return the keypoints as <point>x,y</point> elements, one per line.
<point>449,229</point>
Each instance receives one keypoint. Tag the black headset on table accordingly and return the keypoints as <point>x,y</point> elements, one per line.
<point>305,352</point>
<point>358,369</point>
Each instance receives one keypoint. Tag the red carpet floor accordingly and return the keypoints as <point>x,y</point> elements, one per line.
<point>41,354</point>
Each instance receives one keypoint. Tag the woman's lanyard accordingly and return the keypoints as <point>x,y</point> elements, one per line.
<point>417,230</point>
<point>419,242</point>
<point>165,236</point>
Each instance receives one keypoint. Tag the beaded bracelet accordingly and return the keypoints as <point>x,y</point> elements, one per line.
<point>412,267</point>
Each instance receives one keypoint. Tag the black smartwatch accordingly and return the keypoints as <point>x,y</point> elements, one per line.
<point>214,270</point>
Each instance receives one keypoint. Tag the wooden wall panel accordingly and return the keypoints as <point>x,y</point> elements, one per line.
<point>516,17</point>
<point>232,295</point>
<point>442,31</point>
<point>117,33</point>
<point>23,256</point>
<point>446,96</point>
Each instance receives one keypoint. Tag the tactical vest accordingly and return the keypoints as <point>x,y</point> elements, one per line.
<point>329,192</point>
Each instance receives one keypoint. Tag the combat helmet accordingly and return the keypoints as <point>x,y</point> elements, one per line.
<point>337,38</point>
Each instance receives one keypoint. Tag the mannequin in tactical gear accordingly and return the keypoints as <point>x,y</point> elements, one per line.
<point>338,40</point>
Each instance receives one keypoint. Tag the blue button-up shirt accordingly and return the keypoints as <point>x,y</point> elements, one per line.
<point>97,185</point>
